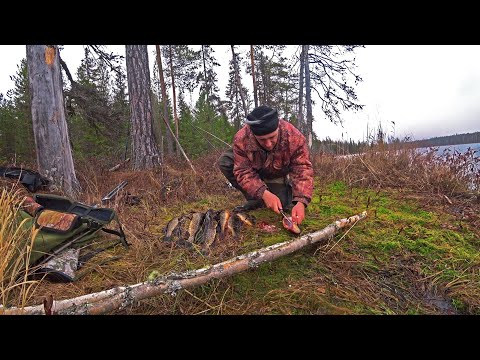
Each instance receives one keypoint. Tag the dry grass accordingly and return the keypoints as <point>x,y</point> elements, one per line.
<point>16,242</point>
<point>404,167</point>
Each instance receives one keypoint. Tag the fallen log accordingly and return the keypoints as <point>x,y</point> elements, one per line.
<point>123,296</point>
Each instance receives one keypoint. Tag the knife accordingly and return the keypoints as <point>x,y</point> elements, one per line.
<point>286,217</point>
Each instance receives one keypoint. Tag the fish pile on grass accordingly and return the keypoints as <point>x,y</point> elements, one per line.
<point>205,229</point>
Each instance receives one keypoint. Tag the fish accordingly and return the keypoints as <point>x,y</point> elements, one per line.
<point>205,228</point>
<point>209,227</point>
<point>181,232</point>
<point>237,220</point>
<point>231,226</point>
<point>291,225</point>
<point>247,219</point>
<point>172,224</point>
<point>194,226</point>
<point>224,216</point>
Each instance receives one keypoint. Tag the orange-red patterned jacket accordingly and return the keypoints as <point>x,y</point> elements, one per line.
<point>289,156</point>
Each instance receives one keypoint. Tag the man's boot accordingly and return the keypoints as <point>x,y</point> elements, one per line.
<point>251,203</point>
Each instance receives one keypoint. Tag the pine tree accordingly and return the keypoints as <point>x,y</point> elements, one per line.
<point>145,154</point>
<point>20,131</point>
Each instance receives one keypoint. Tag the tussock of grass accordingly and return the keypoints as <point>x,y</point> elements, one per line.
<point>16,242</point>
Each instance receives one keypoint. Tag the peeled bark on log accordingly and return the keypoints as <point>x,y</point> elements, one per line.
<point>123,296</point>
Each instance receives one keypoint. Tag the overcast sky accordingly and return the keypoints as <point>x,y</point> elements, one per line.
<point>426,90</point>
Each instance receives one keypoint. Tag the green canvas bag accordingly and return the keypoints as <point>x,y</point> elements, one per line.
<point>69,234</point>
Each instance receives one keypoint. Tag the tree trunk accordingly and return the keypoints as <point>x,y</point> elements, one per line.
<point>52,143</point>
<point>145,154</point>
<point>207,86</point>
<point>301,121</point>
<point>157,132</point>
<point>237,80</point>
<point>263,72</point>
<point>122,296</point>
<point>308,99</point>
<point>205,77</point>
<point>174,97</point>
<point>236,121</point>
<point>168,136</point>
<point>253,76</point>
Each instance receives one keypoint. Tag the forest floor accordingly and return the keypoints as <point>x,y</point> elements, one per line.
<point>415,253</point>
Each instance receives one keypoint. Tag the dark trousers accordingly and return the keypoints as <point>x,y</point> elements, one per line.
<point>279,186</point>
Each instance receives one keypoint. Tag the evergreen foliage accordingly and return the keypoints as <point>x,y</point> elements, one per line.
<point>195,124</point>
<point>16,132</point>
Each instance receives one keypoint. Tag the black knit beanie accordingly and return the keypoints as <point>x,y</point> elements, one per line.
<point>263,120</point>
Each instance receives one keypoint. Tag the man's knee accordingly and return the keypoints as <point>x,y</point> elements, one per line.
<point>225,162</point>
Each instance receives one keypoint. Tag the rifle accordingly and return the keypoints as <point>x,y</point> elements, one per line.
<point>115,191</point>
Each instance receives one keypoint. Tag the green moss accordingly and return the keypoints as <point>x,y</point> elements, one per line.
<point>273,275</point>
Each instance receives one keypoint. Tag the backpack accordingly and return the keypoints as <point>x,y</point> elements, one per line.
<point>32,180</point>
<point>68,235</point>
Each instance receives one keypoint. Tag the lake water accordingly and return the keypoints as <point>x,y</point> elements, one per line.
<point>460,148</point>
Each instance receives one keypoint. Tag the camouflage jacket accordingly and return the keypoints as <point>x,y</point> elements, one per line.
<point>289,156</point>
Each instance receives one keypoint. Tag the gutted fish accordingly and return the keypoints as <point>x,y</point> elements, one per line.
<point>290,225</point>
<point>224,216</point>
<point>245,218</point>
<point>172,224</point>
<point>209,227</point>
<point>194,226</point>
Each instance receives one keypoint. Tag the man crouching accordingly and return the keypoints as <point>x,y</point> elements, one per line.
<point>270,164</point>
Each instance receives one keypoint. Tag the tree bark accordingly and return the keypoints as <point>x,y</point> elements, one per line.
<point>168,136</point>
<point>52,143</point>
<point>145,154</point>
<point>123,296</point>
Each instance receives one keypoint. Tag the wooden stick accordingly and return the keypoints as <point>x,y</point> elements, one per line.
<point>116,167</point>
<point>123,296</point>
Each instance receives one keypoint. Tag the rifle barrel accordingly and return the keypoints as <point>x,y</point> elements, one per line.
<point>115,190</point>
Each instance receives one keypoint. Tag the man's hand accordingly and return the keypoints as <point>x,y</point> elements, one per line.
<point>272,201</point>
<point>298,212</point>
